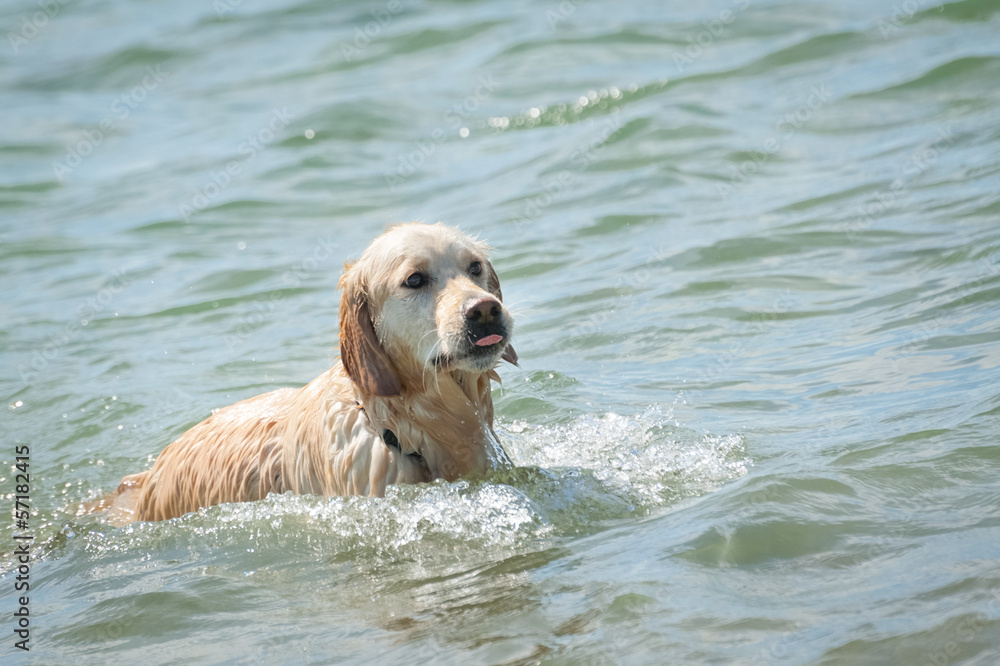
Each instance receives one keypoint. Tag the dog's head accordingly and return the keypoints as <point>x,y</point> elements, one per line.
<point>421,299</point>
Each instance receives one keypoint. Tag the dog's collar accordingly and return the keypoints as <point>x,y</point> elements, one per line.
<point>392,442</point>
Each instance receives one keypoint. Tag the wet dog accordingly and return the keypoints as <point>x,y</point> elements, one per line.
<point>422,329</point>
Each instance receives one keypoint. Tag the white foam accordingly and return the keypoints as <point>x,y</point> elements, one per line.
<point>649,456</point>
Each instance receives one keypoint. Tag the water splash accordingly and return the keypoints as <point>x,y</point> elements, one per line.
<point>649,459</point>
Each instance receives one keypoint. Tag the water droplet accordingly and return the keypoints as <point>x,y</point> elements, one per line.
<point>310,134</point>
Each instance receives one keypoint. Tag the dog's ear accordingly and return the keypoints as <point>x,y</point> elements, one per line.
<point>510,355</point>
<point>493,284</point>
<point>361,352</point>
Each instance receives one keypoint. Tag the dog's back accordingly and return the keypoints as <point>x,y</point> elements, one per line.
<point>232,456</point>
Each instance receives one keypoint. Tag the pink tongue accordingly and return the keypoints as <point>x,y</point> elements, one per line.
<point>489,340</point>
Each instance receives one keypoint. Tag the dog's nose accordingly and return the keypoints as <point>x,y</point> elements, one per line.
<point>483,310</point>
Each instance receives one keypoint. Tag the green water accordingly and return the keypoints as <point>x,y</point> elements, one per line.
<point>752,249</point>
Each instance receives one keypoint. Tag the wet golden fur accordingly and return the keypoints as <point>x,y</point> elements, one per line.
<point>409,363</point>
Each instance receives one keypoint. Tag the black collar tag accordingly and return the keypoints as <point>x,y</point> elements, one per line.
<point>390,439</point>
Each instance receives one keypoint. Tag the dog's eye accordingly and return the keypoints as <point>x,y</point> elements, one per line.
<point>415,281</point>
<point>475,268</point>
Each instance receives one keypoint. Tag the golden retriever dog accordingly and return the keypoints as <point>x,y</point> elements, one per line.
<point>422,329</point>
